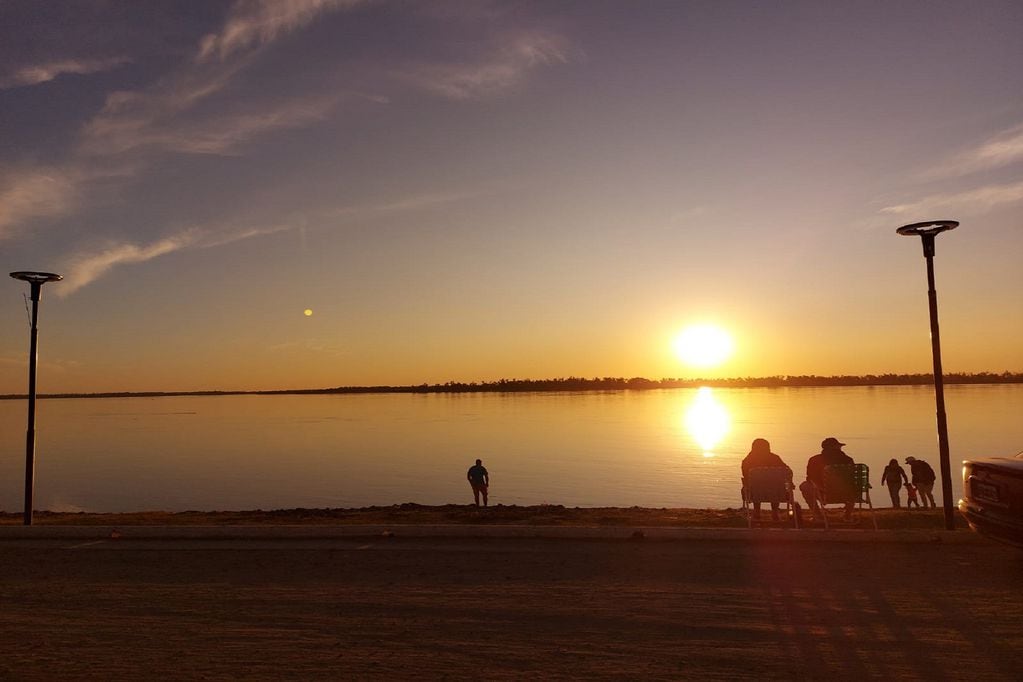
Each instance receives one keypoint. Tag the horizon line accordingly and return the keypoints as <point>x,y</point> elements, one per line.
<point>572,383</point>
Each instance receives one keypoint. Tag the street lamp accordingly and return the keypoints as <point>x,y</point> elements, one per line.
<point>36,280</point>
<point>927,231</point>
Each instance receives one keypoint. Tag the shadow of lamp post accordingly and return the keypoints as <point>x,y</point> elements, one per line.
<point>927,231</point>
<point>36,280</point>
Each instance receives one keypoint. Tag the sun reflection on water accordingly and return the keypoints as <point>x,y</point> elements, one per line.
<point>707,420</point>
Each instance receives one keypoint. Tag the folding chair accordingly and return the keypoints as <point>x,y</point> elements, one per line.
<point>844,483</point>
<point>767,485</point>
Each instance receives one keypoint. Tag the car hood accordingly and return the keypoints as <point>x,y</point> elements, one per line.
<point>1014,464</point>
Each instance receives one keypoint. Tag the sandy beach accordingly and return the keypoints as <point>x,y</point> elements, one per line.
<point>725,605</point>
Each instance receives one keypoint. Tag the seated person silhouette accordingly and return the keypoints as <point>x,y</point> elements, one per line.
<point>830,454</point>
<point>760,455</point>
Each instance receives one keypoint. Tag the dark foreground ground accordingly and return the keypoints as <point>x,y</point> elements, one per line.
<point>497,515</point>
<point>433,608</point>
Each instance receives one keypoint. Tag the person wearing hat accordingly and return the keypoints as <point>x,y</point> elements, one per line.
<point>923,479</point>
<point>831,453</point>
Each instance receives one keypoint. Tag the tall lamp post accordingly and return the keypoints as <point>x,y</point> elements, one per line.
<point>36,280</point>
<point>927,231</point>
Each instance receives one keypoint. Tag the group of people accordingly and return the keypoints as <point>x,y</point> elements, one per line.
<point>831,453</point>
<point>760,455</point>
<point>922,482</point>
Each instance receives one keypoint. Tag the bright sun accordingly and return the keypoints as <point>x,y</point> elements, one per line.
<point>703,345</point>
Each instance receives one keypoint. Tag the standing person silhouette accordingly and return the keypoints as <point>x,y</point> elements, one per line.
<point>894,477</point>
<point>923,479</point>
<point>479,479</point>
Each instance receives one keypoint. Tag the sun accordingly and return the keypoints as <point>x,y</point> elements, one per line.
<point>703,345</point>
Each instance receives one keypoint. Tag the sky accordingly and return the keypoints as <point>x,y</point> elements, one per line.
<point>468,191</point>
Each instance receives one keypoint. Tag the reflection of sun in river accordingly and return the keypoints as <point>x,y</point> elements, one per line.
<point>707,420</point>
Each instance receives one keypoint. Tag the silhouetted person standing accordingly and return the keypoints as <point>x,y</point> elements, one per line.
<point>923,479</point>
<point>479,479</point>
<point>831,453</point>
<point>894,477</point>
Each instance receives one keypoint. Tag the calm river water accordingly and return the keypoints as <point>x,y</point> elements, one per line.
<point>663,448</point>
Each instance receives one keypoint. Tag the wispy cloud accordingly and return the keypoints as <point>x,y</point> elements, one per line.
<point>35,193</point>
<point>503,68</point>
<point>414,202</point>
<point>975,200</point>
<point>205,107</point>
<point>41,73</point>
<point>159,118</point>
<point>252,23</point>
<point>1000,150</point>
<point>114,133</point>
<point>85,268</point>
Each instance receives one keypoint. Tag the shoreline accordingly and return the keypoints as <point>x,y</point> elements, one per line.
<point>410,514</point>
<point>576,384</point>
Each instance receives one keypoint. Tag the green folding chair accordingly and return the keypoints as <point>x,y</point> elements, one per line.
<point>767,485</point>
<point>844,483</point>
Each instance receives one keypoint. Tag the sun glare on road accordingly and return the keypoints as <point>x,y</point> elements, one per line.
<point>703,345</point>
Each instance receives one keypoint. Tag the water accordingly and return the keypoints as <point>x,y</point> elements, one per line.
<point>664,448</point>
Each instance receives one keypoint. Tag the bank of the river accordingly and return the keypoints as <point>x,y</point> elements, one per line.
<point>539,515</point>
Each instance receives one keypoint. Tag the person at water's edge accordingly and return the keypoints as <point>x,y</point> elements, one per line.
<point>923,479</point>
<point>479,479</point>
<point>894,477</point>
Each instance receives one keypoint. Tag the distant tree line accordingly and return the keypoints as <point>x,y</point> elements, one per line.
<point>598,384</point>
<point>640,383</point>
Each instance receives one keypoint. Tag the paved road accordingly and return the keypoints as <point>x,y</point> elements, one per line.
<point>386,608</point>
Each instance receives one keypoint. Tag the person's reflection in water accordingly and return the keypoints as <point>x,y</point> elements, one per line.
<point>760,455</point>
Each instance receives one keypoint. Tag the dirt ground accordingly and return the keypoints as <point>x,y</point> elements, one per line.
<point>392,608</point>
<point>542,515</point>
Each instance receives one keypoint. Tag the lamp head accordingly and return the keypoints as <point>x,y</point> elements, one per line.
<point>927,228</point>
<point>36,277</point>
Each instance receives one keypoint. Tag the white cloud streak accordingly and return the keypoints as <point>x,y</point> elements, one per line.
<point>415,202</point>
<point>258,22</point>
<point>86,268</point>
<point>975,200</point>
<point>153,120</point>
<point>48,71</point>
<point>116,132</point>
<point>182,114</point>
<point>501,70</point>
<point>35,193</point>
<point>83,269</point>
<point>1002,149</point>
